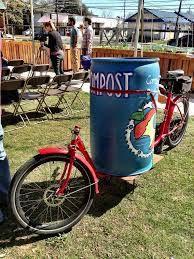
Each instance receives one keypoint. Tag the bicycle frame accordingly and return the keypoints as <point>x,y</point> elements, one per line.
<point>78,145</point>
<point>164,131</point>
<point>73,155</point>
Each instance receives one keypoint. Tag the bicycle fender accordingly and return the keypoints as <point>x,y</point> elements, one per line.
<point>58,150</point>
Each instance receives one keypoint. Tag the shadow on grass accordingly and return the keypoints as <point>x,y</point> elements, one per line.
<point>11,119</point>
<point>35,117</point>
<point>112,191</point>
<point>11,234</point>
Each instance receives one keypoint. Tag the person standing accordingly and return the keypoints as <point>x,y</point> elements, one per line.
<point>55,45</point>
<point>5,177</point>
<point>73,44</point>
<point>87,37</point>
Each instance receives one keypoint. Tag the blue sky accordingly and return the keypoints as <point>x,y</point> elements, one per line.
<point>115,7</point>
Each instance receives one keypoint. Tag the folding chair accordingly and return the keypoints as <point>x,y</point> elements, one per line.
<point>35,89</point>
<point>15,62</point>
<point>54,90</point>
<point>40,70</point>
<point>5,75</point>
<point>9,88</point>
<point>21,72</point>
<point>75,86</point>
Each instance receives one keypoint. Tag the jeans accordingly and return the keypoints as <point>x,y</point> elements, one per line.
<point>57,63</point>
<point>5,177</point>
<point>5,180</point>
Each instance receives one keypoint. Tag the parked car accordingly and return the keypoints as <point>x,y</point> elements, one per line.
<point>27,32</point>
<point>184,41</point>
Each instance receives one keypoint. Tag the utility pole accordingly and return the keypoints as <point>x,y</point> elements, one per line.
<point>124,14</point>
<point>142,28</point>
<point>176,30</point>
<point>81,8</point>
<point>56,10</point>
<point>138,21</point>
<point>32,27</point>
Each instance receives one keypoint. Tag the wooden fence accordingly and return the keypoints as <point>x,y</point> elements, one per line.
<point>23,50</point>
<point>168,61</point>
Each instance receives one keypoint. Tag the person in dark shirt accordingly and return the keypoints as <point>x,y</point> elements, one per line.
<point>56,47</point>
<point>73,44</point>
<point>4,61</point>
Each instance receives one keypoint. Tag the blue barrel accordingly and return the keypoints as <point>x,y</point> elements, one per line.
<point>123,114</point>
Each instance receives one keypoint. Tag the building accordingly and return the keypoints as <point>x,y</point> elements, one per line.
<point>158,25</point>
<point>97,22</point>
<point>188,17</point>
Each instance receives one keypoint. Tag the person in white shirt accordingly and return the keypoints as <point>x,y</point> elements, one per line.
<point>87,41</point>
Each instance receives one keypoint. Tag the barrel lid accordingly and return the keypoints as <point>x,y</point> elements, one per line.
<point>126,60</point>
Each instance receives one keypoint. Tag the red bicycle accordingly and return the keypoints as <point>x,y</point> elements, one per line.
<point>52,192</point>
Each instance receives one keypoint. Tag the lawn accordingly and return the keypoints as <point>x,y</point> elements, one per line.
<point>153,221</point>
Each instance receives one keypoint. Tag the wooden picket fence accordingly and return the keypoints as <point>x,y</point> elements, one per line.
<point>23,50</point>
<point>168,61</point>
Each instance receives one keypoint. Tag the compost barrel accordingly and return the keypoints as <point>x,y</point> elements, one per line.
<point>123,114</point>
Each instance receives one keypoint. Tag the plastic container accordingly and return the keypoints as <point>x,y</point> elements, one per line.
<point>123,115</point>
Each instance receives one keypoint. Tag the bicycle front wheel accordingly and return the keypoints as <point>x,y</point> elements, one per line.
<point>178,123</point>
<point>33,194</point>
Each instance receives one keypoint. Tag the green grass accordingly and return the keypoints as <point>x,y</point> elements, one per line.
<point>154,221</point>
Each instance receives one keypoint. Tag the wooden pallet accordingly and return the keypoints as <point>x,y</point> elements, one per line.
<point>132,179</point>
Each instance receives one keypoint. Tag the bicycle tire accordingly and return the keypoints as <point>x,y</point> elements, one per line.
<point>172,141</point>
<point>64,224</point>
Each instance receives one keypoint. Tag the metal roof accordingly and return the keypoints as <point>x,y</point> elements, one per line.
<point>160,16</point>
<point>167,17</point>
<point>2,5</point>
<point>188,16</point>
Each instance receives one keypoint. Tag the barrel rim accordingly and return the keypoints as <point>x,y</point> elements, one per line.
<point>126,59</point>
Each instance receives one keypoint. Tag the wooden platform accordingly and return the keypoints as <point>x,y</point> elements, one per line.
<point>131,179</point>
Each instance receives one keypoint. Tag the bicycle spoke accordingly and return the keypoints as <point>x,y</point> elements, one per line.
<point>72,203</point>
<point>30,189</point>
<point>29,201</point>
<point>64,211</point>
<point>40,207</point>
<point>69,209</point>
<point>39,215</point>
<point>33,208</point>
<point>34,184</point>
<point>27,193</point>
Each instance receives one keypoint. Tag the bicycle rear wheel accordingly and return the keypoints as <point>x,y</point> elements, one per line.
<point>178,123</point>
<point>33,199</point>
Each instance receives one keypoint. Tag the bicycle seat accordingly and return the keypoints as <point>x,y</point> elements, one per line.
<point>176,73</point>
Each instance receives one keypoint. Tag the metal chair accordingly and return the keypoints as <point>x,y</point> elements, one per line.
<point>21,72</point>
<point>5,75</point>
<point>35,89</point>
<point>54,90</point>
<point>15,62</point>
<point>75,87</point>
<point>40,70</point>
<point>9,88</point>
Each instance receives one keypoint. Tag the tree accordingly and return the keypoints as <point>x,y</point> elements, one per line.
<point>14,11</point>
<point>64,6</point>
